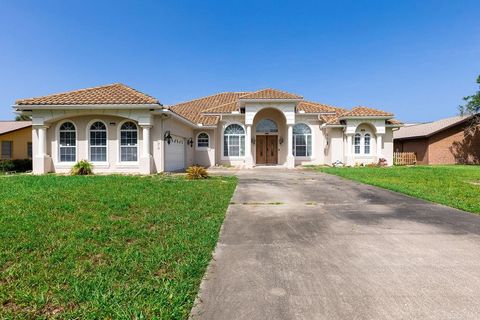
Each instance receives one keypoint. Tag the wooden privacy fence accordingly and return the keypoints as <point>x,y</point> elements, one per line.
<point>404,158</point>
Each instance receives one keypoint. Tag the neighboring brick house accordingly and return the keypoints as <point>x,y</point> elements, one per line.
<point>440,142</point>
<point>15,140</point>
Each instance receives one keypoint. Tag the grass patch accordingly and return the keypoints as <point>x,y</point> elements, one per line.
<point>97,247</point>
<point>453,186</point>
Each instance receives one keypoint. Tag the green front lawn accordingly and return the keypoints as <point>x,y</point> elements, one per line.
<point>455,186</point>
<point>96,247</point>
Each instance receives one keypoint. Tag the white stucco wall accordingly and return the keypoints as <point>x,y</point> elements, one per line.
<point>205,156</point>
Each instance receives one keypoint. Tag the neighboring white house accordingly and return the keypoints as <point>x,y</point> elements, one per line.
<point>120,129</point>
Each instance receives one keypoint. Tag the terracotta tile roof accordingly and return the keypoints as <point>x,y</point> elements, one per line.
<point>193,110</point>
<point>367,112</point>
<point>313,107</point>
<point>116,93</point>
<point>394,121</point>
<point>271,94</point>
<point>427,129</point>
<point>9,126</point>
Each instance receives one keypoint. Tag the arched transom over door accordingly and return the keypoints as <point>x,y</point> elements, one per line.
<point>266,142</point>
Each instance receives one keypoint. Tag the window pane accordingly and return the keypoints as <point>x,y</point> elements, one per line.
<point>367,144</point>
<point>301,151</point>
<point>301,128</point>
<point>67,138</point>
<point>67,154</point>
<point>234,151</point>
<point>356,143</point>
<point>202,140</point>
<point>98,153</point>
<point>309,145</point>
<point>7,147</point>
<point>301,140</point>
<point>128,153</point>
<point>225,146</point>
<point>29,150</point>
<point>234,129</point>
<point>266,125</point>
<point>242,145</point>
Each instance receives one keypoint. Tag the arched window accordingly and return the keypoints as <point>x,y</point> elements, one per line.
<point>68,142</point>
<point>128,142</point>
<point>234,141</point>
<point>98,142</point>
<point>203,140</point>
<point>266,126</point>
<point>302,140</point>
<point>366,143</point>
<point>356,143</point>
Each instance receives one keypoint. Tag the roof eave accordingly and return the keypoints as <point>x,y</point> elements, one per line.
<point>85,106</point>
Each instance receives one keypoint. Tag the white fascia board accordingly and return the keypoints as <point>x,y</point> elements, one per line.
<point>86,106</point>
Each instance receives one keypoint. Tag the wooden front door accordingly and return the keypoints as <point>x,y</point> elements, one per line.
<point>267,150</point>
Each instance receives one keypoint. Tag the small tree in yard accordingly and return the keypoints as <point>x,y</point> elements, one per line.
<point>23,117</point>
<point>82,168</point>
<point>472,107</point>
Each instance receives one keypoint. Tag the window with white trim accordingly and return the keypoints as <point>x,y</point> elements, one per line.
<point>128,142</point>
<point>68,142</point>
<point>356,143</point>
<point>234,141</point>
<point>98,142</point>
<point>366,143</point>
<point>302,140</point>
<point>203,140</point>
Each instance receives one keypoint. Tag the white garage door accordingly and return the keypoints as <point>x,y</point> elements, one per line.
<point>175,154</point>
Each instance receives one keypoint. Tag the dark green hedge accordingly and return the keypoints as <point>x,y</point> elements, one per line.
<point>18,165</point>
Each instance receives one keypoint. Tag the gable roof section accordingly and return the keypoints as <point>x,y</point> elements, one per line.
<point>428,129</point>
<point>268,94</point>
<point>116,93</point>
<point>366,112</point>
<point>9,126</point>
<point>313,107</point>
<point>193,110</point>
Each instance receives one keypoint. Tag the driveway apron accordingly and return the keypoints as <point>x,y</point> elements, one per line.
<point>297,244</point>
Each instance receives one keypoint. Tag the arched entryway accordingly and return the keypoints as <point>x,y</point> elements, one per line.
<point>269,130</point>
<point>266,146</point>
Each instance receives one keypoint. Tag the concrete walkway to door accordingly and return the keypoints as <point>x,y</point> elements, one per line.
<point>302,245</point>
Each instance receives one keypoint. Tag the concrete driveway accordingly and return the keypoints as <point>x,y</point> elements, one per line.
<point>302,245</point>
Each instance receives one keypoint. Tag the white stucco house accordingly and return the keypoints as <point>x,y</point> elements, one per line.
<point>122,130</point>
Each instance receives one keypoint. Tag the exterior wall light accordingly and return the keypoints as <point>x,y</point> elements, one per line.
<point>280,140</point>
<point>253,140</point>
<point>167,136</point>
<point>190,142</point>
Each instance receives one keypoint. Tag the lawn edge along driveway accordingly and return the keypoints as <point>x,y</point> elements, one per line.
<point>454,186</point>
<point>98,247</point>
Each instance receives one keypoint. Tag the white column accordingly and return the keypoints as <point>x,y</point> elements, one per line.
<point>146,158</point>
<point>146,141</point>
<point>349,145</point>
<point>379,146</point>
<point>42,141</point>
<point>248,147</point>
<point>290,158</point>
<point>41,162</point>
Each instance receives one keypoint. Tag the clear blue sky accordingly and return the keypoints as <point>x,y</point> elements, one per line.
<point>414,58</point>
